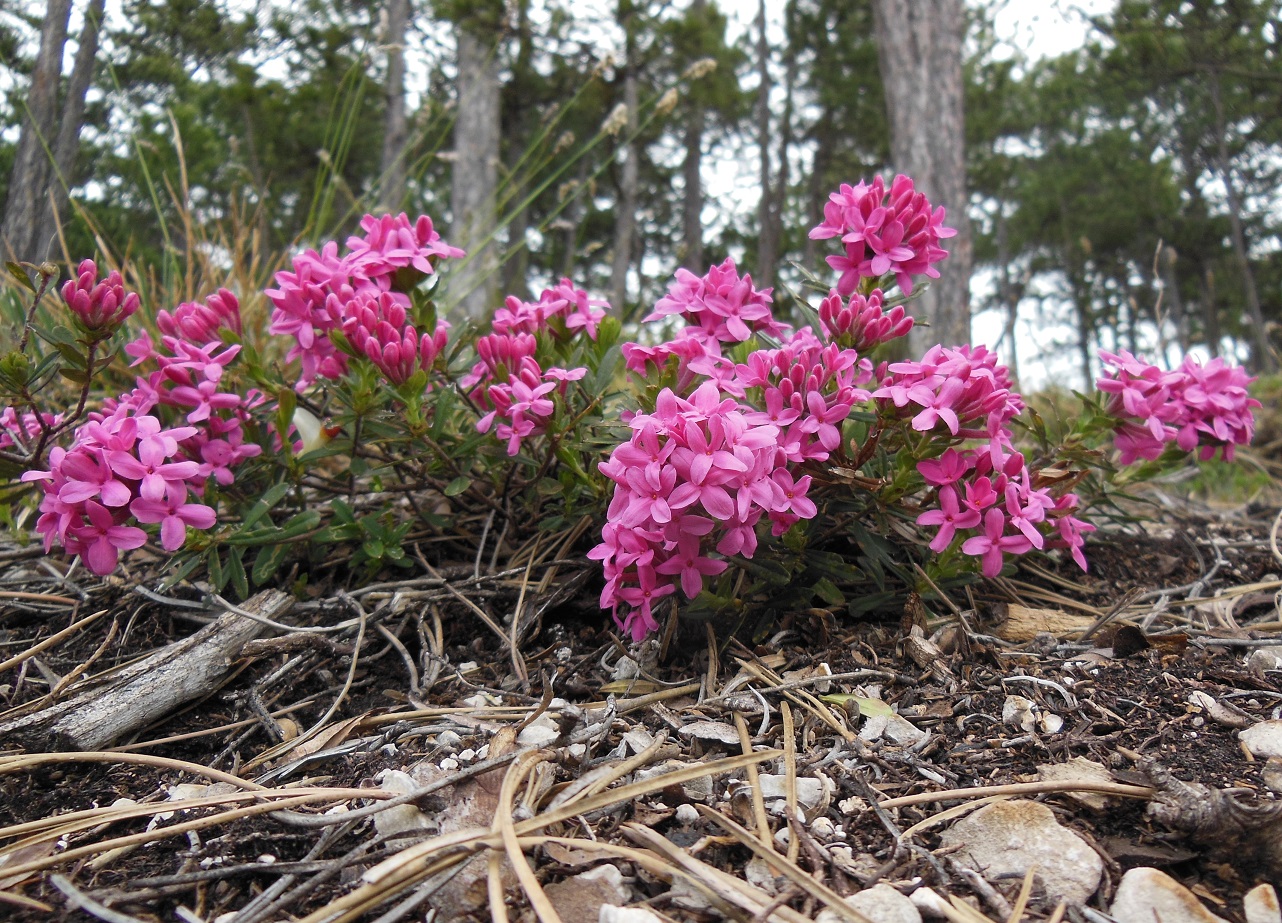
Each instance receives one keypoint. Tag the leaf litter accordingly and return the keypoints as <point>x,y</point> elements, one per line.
<point>467,746</point>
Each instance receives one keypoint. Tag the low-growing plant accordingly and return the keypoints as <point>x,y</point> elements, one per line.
<point>756,455</point>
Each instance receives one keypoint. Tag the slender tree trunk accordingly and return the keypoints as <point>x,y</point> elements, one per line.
<point>1007,297</point>
<point>475,176</point>
<point>67,147</point>
<point>1167,260</point>
<point>779,198</point>
<point>767,246</point>
<point>692,201</point>
<point>574,214</point>
<point>395,128</point>
<point>1210,311</point>
<point>516,119</point>
<point>1262,358</point>
<point>626,219</point>
<point>27,183</point>
<point>919,48</point>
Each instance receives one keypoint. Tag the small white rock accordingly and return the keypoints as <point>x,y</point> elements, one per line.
<point>1261,905</point>
<point>449,764</point>
<point>1146,894</point>
<point>467,755</point>
<point>540,732</point>
<point>1263,659</point>
<point>822,829</point>
<point>809,791</point>
<point>880,904</point>
<point>710,730</point>
<point>1264,739</point>
<point>930,904</point>
<point>628,915</point>
<point>1020,712</point>
<point>687,814</point>
<point>893,729</point>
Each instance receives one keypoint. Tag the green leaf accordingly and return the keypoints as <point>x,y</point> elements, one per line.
<point>268,561</point>
<point>20,276</point>
<point>236,573</point>
<point>867,707</point>
<point>273,495</point>
<point>826,590</point>
<point>457,486</point>
<point>217,576</point>
<point>74,375</point>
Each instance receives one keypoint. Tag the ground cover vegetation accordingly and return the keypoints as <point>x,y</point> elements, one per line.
<point>270,387</point>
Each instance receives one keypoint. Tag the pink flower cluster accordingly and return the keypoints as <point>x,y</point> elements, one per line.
<point>1195,405</point>
<point>123,465</point>
<point>508,381</point>
<point>696,476</point>
<point>323,290</point>
<point>721,307</point>
<point>126,466</point>
<point>883,232</point>
<point>985,492</point>
<point>100,306</point>
<point>377,328</point>
<point>861,323</point>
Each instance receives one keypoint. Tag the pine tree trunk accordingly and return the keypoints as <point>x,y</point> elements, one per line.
<point>919,49</point>
<point>475,176</point>
<point>395,130</point>
<point>28,182</point>
<point>517,112</point>
<point>67,147</point>
<point>767,245</point>
<point>1262,358</point>
<point>692,202</point>
<point>626,219</point>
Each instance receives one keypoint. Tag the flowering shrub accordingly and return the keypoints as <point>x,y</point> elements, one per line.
<point>747,459</point>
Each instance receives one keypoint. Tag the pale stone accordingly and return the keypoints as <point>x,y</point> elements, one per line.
<point>1079,769</point>
<point>1264,739</point>
<point>880,904</point>
<point>404,818</point>
<point>1146,895</point>
<point>628,915</point>
<point>1261,905</point>
<point>1006,839</point>
<point>893,729</point>
<point>809,791</point>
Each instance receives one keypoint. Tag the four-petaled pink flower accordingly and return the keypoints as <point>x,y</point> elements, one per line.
<point>174,514</point>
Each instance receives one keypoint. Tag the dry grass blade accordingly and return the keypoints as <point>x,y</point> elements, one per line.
<point>504,825</point>
<point>421,861</point>
<point>804,880</point>
<point>790,777</point>
<point>800,697</point>
<point>723,886</point>
<point>53,639</point>
<point>31,760</point>
<point>1021,788</point>
<point>77,900</point>
<point>759,816</point>
<point>1021,902</point>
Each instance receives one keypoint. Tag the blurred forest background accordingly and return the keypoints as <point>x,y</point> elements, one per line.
<point>1123,194</point>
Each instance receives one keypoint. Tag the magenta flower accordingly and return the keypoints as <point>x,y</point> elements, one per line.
<point>200,323</point>
<point>690,566</point>
<point>174,514</point>
<point>949,518</point>
<point>151,468</point>
<point>392,243</point>
<point>102,538</point>
<point>993,543</point>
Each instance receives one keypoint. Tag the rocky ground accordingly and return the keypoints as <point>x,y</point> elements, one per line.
<point>1051,747</point>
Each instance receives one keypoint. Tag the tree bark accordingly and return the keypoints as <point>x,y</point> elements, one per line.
<point>692,201</point>
<point>67,148</point>
<point>1262,358</point>
<point>475,175</point>
<point>919,50</point>
<point>626,219</point>
<point>395,129</point>
<point>27,184</point>
<point>767,245</point>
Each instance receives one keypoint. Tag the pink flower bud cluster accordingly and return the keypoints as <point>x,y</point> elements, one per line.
<point>100,306</point>
<point>123,467</point>
<point>985,492</point>
<point>377,327</point>
<point>200,323</point>
<point>508,381</point>
<point>695,478</point>
<point>860,323</point>
<point>320,292</point>
<point>22,431</point>
<point>1195,405</point>
<point>883,232</point>
<point>807,391</point>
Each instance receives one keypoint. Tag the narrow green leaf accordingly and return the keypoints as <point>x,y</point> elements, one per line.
<point>20,276</point>
<point>268,561</point>
<point>457,486</point>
